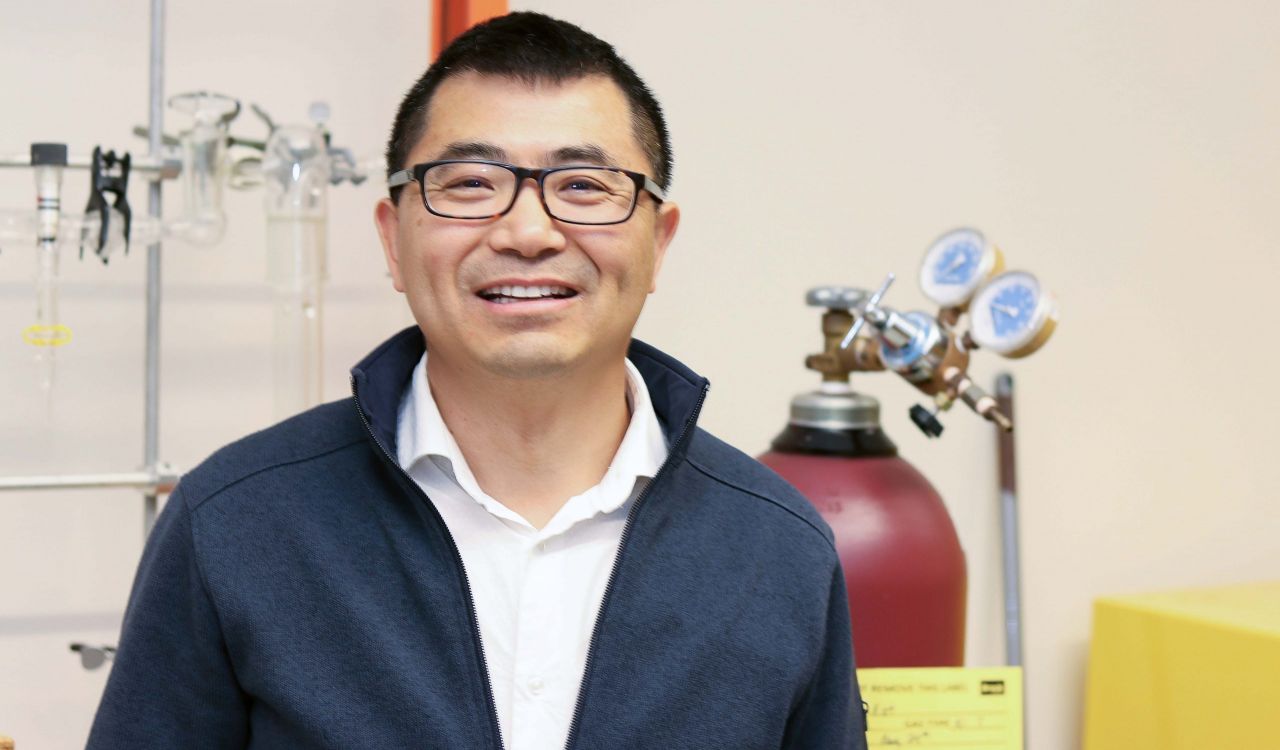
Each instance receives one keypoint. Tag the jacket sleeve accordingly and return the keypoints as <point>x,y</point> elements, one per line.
<point>829,714</point>
<point>172,683</point>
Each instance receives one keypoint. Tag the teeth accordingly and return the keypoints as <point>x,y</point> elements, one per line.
<point>525,292</point>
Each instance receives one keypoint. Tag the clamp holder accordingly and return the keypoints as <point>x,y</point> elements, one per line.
<point>107,174</point>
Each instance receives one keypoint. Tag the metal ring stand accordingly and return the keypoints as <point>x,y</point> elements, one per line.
<point>155,478</point>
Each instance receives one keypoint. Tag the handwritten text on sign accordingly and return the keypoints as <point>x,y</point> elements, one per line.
<point>943,707</point>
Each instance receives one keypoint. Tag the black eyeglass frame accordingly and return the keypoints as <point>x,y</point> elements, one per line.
<point>418,172</point>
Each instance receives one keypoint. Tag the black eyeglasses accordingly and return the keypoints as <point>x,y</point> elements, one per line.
<point>476,189</point>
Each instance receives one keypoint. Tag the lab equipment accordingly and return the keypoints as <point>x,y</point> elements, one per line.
<point>204,164</point>
<point>46,334</point>
<point>956,264</point>
<point>92,657</point>
<point>904,569</point>
<point>108,174</point>
<point>295,173</point>
<point>294,165</point>
<point>1012,315</point>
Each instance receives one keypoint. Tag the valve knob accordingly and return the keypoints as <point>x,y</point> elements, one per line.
<point>835,297</point>
<point>926,421</point>
<point>867,309</point>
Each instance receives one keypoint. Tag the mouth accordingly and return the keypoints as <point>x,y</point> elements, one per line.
<point>505,294</point>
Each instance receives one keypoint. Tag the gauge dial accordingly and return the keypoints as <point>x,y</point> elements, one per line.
<point>956,264</point>
<point>1013,315</point>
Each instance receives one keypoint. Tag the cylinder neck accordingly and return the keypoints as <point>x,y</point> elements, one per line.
<point>835,406</point>
<point>835,421</point>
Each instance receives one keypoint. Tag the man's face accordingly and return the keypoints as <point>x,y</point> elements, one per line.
<point>450,268</point>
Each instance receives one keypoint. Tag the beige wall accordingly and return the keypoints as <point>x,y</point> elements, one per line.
<point>1127,152</point>
<point>78,72</point>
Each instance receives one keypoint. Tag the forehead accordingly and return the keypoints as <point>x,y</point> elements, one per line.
<point>530,121</point>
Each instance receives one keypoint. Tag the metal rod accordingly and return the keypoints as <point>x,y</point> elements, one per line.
<point>160,483</point>
<point>1009,537</point>
<point>1009,527</point>
<point>155,128</point>
<point>151,167</point>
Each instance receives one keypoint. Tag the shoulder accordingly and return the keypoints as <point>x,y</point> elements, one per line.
<point>755,483</point>
<point>311,436</point>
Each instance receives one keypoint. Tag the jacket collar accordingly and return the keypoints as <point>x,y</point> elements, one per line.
<point>378,381</point>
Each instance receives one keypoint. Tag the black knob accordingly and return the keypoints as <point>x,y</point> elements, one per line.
<point>926,421</point>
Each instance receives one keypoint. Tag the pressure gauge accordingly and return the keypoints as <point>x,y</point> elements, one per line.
<point>1012,315</point>
<point>956,264</point>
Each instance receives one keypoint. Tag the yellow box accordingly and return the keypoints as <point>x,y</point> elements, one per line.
<point>1186,669</point>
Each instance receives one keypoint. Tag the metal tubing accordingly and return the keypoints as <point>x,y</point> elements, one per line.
<point>155,129</point>
<point>1009,528</point>
<point>1012,597</point>
<point>159,483</point>
<point>1009,538</point>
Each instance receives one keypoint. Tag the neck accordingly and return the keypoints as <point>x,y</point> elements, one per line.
<point>534,443</point>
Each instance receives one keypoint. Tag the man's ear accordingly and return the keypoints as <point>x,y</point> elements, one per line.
<point>387,217</point>
<point>666,221</point>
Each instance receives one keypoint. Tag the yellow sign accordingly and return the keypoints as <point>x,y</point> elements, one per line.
<point>41,335</point>
<point>943,707</point>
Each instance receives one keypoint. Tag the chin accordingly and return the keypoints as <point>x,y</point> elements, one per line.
<point>532,360</point>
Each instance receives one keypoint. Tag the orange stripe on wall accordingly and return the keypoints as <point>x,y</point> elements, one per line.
<point>452,17</point>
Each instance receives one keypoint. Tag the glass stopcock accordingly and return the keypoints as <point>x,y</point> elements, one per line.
<point>956,264</point>
<point>1013,315</point>
<point>206,106</point>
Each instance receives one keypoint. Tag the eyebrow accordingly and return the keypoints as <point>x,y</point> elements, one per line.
<point>588,153</point>
<point>473,150</point>
<point>584,154</point>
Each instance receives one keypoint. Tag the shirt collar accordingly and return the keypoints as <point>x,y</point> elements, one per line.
<point>422,433</point>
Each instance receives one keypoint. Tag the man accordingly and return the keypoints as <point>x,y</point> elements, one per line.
<point>513,535</point>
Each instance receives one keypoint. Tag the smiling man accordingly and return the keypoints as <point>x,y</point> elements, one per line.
<point>513,535</point>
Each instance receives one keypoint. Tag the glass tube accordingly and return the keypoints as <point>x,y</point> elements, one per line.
<point>204,165</point>
<point>47,334</point>
<point>295,170</point>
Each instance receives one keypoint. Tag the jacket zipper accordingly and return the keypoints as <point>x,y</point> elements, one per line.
<point>457,558</point>
<point>576,722</point>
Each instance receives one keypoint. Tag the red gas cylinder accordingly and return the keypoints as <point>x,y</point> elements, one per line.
<point>902,560</point>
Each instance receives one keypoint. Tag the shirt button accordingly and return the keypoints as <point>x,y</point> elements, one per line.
<point>535,686</point>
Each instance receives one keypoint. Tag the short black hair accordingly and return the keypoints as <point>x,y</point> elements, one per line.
<point>533,48</point>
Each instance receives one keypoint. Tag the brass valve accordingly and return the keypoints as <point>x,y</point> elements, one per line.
<point>863,353</point>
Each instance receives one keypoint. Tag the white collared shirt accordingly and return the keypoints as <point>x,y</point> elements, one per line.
<point>536,591</point>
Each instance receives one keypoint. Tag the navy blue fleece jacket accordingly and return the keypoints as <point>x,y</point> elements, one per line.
<point>300,591</point>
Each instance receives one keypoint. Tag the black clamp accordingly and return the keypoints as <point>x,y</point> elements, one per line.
<point>107,174</point>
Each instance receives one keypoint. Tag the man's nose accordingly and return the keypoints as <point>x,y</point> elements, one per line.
<point>527,228</point>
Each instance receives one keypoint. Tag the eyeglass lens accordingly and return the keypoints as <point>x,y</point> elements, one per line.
<point>589,195</point>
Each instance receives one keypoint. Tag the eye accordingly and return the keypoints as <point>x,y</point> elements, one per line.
<point>585,183</point>
<point>582,185</point>
<point>586,186</point>
<point>467,182</point>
